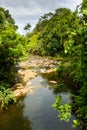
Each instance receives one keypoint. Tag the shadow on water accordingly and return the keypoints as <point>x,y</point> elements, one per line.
<point>38,107</point>
<point>12,118</point>
<point>34,111</point>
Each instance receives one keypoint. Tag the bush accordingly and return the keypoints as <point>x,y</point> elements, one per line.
<point>6,95</point>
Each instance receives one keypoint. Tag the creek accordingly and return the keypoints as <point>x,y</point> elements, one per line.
<point>34,111</point>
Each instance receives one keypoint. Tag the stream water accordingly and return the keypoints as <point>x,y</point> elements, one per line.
<point>34,111</point>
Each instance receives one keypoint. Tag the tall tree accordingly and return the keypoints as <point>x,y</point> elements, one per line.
<point>9,46</point>
<point>27,27</point>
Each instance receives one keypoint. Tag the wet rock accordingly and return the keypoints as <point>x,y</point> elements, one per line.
<point>43,70</point>
<point>20,92</point>
<point>17,86</point>
<point>53,82</point>
<point>26,73</point>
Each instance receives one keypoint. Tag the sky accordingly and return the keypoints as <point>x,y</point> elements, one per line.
<point>29,11</point>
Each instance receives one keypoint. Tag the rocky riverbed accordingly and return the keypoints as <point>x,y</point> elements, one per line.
<point>29,69</point>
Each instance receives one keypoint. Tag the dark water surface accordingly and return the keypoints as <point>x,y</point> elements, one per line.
<point>34,111</point>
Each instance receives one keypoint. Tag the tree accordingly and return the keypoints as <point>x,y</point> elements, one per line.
<point>76,46</point>
<point>12,47</point>
<point>10,44</point>
<point>52,31</point>
<point>27,27</point>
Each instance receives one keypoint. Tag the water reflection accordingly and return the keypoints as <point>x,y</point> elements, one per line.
<point>34,112</point>
<point>12,118</point>
<point>38,107</point>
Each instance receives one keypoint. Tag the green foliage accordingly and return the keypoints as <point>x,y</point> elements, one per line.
<point>80,102</point>
<point>60,68</point>
<point>51,30</point>
<point>59,87</point>
<point>27,27</point>
<point>75,45</point>
<point>12,47</point>
<point>64,110</point>
<point>6,95</point>
<point>84,10</point>
<point>76,123</point>
<point>33,44</point>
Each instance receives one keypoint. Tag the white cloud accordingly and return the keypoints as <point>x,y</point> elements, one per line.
<point>29,11</point>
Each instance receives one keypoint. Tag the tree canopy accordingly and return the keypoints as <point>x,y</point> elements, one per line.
<point>12,47</point>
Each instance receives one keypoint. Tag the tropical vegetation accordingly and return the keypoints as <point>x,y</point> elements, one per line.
<point>12,47</point>
<point>61,33</point>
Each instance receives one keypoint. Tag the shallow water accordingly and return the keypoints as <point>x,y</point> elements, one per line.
<point>34,111</point>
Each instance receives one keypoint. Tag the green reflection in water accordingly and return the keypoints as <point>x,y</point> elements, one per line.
<point>12,118</point>
<point>34,112</point>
